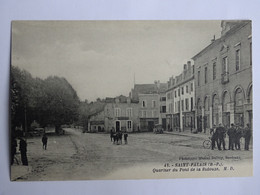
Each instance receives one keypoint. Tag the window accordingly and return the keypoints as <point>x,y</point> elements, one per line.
<point>175,93</point>
<point>129,124</point>
<point>187,89</point>
<point>163,99</point>
<point>182,105</point>
<point>144,113</point>
<point>206,74</point>
<point>250,53</point>
<point>198,78</point>
<point>182,90</point>
<point>191,87</point>
<point>179,106</point>
<point>143,103</point>
<point>154,103</point>
<point>168,96</point>
<point>225,64</point>
<point>176,107</point>
<point>214,70</point>
<point>179,92</point>
<point>237,59</point>
<point>154,113</point>
<point>129,112</point>
<point>163,109</point>
<point>191,103</point>
<point>187,104</point>
<point>117,112</point>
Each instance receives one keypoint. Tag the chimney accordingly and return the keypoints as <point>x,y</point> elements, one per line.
<point>189,64</point>
<point>212,40</point>
<point>158,84</point>
<point>184,67</point>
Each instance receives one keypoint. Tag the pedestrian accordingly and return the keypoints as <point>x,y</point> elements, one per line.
<point>111,134</point>
<point>44,141</point>
<point>125,137</point>
<point>221,133</point>
<point>238,136</point>
<point>231,137</point>
<point>120,136</point>
<point>247,135</point>
<point>13,149</point>
<point>23,150</point>
<point>214,137</point>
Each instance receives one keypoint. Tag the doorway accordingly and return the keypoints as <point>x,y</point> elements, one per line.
<point>150,125</point>
<point>117,126</point>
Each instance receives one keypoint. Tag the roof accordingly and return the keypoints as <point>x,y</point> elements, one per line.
<point>154,88</point>
<point>96,108</point>
<point>217,41</point>
<point>162,87</point>
<point>145,88</point>
<point>121,98</point>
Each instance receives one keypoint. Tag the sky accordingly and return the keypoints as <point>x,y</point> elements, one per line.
<point>105,58</point>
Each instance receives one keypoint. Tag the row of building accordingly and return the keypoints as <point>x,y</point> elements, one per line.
<point>217,88</point>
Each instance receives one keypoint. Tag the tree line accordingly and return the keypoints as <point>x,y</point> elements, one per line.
<point>50,101</point>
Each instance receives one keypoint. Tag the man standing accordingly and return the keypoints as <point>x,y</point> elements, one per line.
<point>221,132</point>
<point>44,141</point>
<point>214,137</point>
<point>125,137</point>
<point>238,136</point>
<point>247,135</point>
<point>111,134</point>
<point>23,150</point>
<point>231,136</point>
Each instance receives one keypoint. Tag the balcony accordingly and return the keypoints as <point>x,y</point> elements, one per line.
<point>225,77</point>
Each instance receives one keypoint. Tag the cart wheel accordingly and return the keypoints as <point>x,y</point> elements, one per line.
<point>207,144</point>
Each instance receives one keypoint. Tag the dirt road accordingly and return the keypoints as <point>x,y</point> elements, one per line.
<point>77,156</point>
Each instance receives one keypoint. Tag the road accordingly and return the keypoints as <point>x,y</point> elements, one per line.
<point>78,156</point>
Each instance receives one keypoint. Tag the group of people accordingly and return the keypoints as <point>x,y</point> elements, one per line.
<point>235,133</point>
<point>116,137</point>
<point>23,149</point>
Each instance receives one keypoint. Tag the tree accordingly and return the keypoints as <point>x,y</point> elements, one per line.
<point>21,99</point>
<point>60,104</point>
<point>50,101</point>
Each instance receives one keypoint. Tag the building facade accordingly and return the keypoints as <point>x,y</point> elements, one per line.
<point>152,104</point>
<point>223,75</point>
<point>149,111</point>
<point>180,100</point>
<point>120,113</point>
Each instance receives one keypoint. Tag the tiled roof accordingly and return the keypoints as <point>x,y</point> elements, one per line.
<point>145,88</point>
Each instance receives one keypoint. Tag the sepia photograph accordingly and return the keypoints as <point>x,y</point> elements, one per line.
<point>138,99</point>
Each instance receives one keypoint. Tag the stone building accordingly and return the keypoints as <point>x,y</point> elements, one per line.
<point>180,97</point>
<point>120,112</point>
<point>96,121</point>
<point>223,75</point>
<point>152,104</point>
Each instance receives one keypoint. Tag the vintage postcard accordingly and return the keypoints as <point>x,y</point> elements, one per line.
<point>110,100</point>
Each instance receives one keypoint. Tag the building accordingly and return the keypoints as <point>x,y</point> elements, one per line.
<point>223,75</point>
<point>96,121</point>
<point>180,97</point>
<point>152,104</point>
<point>120,113</point>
